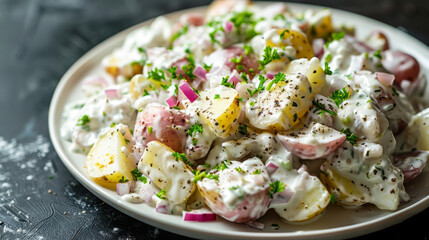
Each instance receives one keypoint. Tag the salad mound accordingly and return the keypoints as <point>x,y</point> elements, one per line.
<point>249,108</point>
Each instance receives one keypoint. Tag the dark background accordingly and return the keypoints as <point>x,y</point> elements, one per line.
<point>39,41</point>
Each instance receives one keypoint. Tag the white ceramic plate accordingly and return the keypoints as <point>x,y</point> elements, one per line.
<point>337,222</point>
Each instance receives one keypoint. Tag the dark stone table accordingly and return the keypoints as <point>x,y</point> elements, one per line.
<point>39,41</point>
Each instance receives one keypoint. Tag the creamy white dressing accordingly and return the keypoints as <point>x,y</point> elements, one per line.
<point>275,120</point>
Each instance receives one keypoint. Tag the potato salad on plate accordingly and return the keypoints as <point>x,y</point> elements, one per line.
<point>250,108</point>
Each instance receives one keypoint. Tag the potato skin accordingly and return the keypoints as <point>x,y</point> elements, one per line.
<point>159,123</point>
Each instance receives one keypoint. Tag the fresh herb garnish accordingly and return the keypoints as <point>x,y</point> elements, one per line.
<point>181,156</point>
<point>149,130</point>
<point>377,54</point>
<point>340,96</point>
<point>351,137</point>
<point>201,175</point>
<point>172,70</point>
<point>247,49</point>
<point>277,78</point>
<point>83,122</point>
<point>260,87</point>
<point>136,173</point>
<point>257,171</point>
<point>123,180</point>
<point>269,56</point>
<point>321,107</point>
<point>180,33</point>
<point>216,96</point>
<point>207,67</point>
<point>240,170</point>
<point>242,128</point>
<point>327,69</point>
<point>276,187</point>
<point>336,36</point>
<point>195,128</point>
<point>156,74</point>
<point>162,194</point>
<point>226,83</point>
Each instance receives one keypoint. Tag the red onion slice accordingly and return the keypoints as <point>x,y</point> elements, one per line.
<point>228,26</point>
<point>171,101</point>
<point>189,92</point>
<point>317,45</point>
<point>234,79</point>
<point>200,73</point>
<point>385,78</point>
<point>161,208</point>
<point>271,168</point>
<point>123,188</point>
<point>112,93</point>
<point>200,215</point>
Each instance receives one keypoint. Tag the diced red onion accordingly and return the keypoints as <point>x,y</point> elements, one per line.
<point>199,216</point>
<point>234,79</point>
<point>270,75</point>
<point>189,92</point>
<point>317,45</point>
<point>228,26</point>
<point>95,81</point>
<point>171,101</point>
<point>161,208</point>
<point>256,225</point>
<point>271,168</point>
<point>200,73</point>
<point>283,197</point>
<point>123,188</point>
<point>112,93</point>
<point>147,191</point>
<point>385,78</point>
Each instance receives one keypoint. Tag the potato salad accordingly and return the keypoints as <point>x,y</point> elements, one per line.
<point>248,108</point>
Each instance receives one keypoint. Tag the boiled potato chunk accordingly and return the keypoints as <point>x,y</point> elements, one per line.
<point>106,158</point>
<point>417,132</point>
<point>139,83</point>
<point>220,108</point>
<point>168,173</point>
<point>311,69</point>
<point>281,107</point>
<point>295,39</point>
<point>320,24</point>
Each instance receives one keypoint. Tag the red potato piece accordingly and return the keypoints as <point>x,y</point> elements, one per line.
<point>314,142</point>
<point>411,163</point>
<point>402,65</point>
<point>247,61</point>
<point>238,196</point>
<point>159,123</point>
<point>377,40</point>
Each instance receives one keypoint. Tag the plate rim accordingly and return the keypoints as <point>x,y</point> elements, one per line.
<point>349,231</point>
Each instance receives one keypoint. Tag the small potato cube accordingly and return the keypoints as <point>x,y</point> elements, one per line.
<point>168,173</point>
<point>311,69</point>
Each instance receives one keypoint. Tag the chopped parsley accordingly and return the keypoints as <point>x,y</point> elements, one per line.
<point>207,67</point>
<point>195,128</point>
<point>136,173</point>
<point>247,49</point>
<point>78,106</point>
<point>277,78</point>
<point>257,171</point>
<point>244,77</point>
<point>156,74</point>
<point>322,108</point>
<point>336,36</point>
<point>340,96</point>
<point>180,33</point>
<point>269,56</point>
<point>123,180</point>
<point>181,156</point>
<point>226,83</point>
<point>276,187</point>
<point>240,170</point>
<point>162,194</point>
<point>242,128</point>
<point>188,70</point>
<point>201,175</point>
<point>236,60</point>
<point>260,87</point>
<point>83,122</point>
<point>252,103</point>
<point>328,58</point>
<point>149,130</point>
<point>351,137</point>
<point>216,96</point>
<point>332,198</point>
<point>327,69</point>
<point>113,124</point>
<point>145,93</point>
<point>172,70</point>
<point>222,166</point>
<point>377,54</point>
<point>282,35</point>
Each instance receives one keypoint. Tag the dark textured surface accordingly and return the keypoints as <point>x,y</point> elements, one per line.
<point>39,41</point>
